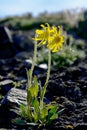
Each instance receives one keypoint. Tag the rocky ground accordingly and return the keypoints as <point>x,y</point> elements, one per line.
<point>67,86</point>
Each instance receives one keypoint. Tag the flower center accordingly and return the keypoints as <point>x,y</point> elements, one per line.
<point>57,39</point>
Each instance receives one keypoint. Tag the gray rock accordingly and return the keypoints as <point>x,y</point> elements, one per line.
<point>9,106</point>
<point>5,82</point>
<point>14,98</point>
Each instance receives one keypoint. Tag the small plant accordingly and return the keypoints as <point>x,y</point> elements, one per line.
<point>36,110</point>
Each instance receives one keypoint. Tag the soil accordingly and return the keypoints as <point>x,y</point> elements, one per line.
<point>67,87</point>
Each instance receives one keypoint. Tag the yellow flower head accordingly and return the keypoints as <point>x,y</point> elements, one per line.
<point>43,35</point>
<point>53,37</point>
<point>56,41</point>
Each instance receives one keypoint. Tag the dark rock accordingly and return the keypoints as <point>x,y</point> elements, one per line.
<point>81,126</point>
<point>71,106</point>
<point>85,118</point>
<point>4,117</point>
<point>6,85</point>
<point>73,73</point>
<point>6,44</point>
<point>23,41</point>
<point>5,35</point>
<point>58,86</point>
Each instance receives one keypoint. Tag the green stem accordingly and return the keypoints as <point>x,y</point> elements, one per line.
<point>47,79</point>
<point>33,62</point>
<point>49,65</point>
<point>30,72</point>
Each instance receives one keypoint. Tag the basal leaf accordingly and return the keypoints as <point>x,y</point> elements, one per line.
<point>35,104</point>
<point>54,116</point>
<point>19,121</point>
<point>24,110</point>
<point>44,113</point>
<point>52,112</point>
<point>33,90</point>
<point>35,87</point>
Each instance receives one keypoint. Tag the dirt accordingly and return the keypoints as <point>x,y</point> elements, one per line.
<point>67,87</point>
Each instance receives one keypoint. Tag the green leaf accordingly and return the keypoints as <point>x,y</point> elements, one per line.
<point>41,92</point>
<point>35,117</point>
<point>49,106</point>
<point>52,112</point>
<point>29,96</point>
<point>35,104</point>
<point>19,121</point>
<point>33,90</point>
<point>35,86</point>
<point>24,111</point>
<point>54,116</point>
<point>43,113</point>
<point>54,109</point>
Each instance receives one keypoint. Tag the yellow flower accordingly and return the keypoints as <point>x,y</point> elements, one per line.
<point>43,35</point>
<point>56,41</point>
<point>53,37</point>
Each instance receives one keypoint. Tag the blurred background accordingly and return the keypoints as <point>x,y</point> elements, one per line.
<point>20,18</point>
<point>20,7</point>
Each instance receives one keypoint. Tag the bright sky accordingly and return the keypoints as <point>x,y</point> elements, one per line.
<point>19,7</point>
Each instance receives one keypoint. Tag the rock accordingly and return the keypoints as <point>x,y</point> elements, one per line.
<point>85,118</point>
<point>10,105</point>
<point>23,41</point>
<point>23,55</point>
<point>5,35</point>
<point>6,47</point>
<point>3,118</point>
<point>71,106</point>
<point>6,44</point>
<point>44,66</point>
<point>81,126</point>
<point>14,98</point>
<point>56,85</point>
<point>6,85</point>
<point>68,85</point>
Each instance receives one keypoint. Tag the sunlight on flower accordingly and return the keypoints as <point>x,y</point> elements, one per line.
<point>43,35</point>
<point>56,41</point>
<point>52,36</point>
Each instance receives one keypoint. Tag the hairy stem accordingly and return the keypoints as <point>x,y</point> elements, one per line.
<point>47,78</point>
<point>30,73</point>
<point>49,65</point>
<point>33,62</point>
